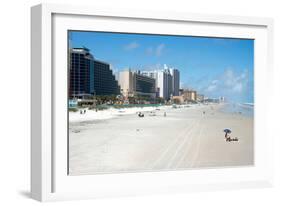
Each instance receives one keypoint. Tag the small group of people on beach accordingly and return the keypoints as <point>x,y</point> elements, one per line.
<point>140,114</point>
<point>82,111</point>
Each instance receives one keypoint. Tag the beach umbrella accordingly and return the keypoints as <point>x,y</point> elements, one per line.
<point>227,130</point>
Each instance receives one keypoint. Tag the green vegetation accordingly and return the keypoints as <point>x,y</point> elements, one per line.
<point>135,105</point>
<point>72,109</point>
<point>103,102</point>
<point>102,99</point>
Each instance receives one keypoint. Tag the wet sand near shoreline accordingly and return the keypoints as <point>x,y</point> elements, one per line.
<point>186,138</point>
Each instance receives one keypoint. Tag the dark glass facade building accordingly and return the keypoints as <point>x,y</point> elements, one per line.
<point>90,76</point>
<point>144,84</point>
<point>104,80</point>
<point>81,72</point>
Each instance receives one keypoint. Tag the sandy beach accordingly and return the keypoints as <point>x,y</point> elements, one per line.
<point>112,141</point>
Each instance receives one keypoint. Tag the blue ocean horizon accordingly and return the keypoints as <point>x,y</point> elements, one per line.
<point>246,109</point>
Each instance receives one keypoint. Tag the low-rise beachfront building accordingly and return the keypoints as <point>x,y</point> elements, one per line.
<point>72,104</point>
<point>178,99</point>
<point>90,76</point>
<point>189,95</point>
<point>200,97</point>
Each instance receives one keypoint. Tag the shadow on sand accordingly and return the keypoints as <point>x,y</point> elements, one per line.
<point>25,193</point>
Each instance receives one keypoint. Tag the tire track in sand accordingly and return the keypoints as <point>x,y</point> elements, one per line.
<point>181,137</point>
<point>185,145</point>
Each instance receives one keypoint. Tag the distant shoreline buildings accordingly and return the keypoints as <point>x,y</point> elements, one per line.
<point>157,83</point>
<point>188,95</point>
<point>89,77</point>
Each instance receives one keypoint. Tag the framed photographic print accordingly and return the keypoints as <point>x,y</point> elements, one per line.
<point>136,102</point>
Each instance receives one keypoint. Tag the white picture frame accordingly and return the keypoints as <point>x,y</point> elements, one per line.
<point>49,179</point>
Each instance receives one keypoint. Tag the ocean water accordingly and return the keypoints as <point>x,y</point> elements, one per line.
<point>246,109</point>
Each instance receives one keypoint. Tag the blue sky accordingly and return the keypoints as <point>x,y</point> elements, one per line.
<point>212,66</point>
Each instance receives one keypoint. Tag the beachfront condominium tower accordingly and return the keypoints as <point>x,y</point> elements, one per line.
<point>81,72</point>
<point>164,83</point>
<point>175,81</point>
<point>144,86</point>
<point>133,83</point>
<point>88,76</point>
<point>105,82</point>
<point>167,81</point>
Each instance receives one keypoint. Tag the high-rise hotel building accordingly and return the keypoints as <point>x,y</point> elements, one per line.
<point>175,81</point>
<point>88,76</point>
<point>81,72</point>
<point>167,81</point>
<point>105,82</point>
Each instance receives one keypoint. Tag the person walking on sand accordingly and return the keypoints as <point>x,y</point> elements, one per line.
<point>165,114</point>
<point>227,136</point>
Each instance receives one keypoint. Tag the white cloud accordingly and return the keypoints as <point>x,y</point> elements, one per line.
<point>131,46</point>
<point>156,66</point>
<point>215,81</point>
<point>114,70</point>
<point>211,88</point>
<point>234,82</point>
<point>230,84</point>
<point>238,87</point>
<point>157,51</point>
